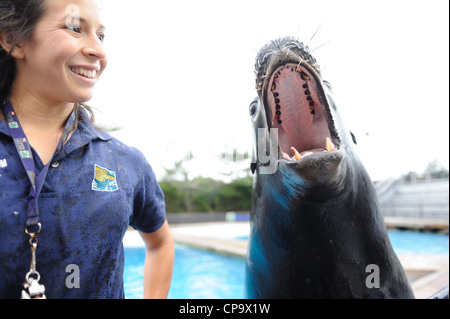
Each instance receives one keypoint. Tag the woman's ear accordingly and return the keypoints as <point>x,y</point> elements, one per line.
<point>5,42</point>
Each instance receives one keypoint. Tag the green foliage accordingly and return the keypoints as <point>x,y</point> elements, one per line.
<point>236,195</point>
<point>207,195</point>
<point>174,198</point>
<point>200,194</point>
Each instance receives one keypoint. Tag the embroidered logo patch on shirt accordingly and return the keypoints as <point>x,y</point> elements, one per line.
<point>104,180</point>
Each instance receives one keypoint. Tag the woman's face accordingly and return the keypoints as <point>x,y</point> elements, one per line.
<point>65,56</point>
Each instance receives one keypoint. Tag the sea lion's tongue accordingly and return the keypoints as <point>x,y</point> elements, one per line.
<point>295,110</point>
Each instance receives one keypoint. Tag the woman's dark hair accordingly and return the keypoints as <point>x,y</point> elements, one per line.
<point>18,19</point>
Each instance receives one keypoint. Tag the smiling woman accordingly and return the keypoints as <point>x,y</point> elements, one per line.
<point>62,180</point>
<point>43,71</point>
<point>52,66</point>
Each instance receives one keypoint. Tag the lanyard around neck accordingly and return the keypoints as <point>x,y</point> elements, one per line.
<point>26,156</point>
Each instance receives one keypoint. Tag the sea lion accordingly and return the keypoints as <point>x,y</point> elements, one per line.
<point>316,229</point>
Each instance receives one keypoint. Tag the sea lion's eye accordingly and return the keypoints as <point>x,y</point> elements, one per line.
<point>328,84</point>
<point>253,108</point>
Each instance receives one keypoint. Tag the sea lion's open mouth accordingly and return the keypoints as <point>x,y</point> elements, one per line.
<point>296,109</point>
<point>295,98</point>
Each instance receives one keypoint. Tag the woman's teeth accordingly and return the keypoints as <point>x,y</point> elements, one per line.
<point>84,72</point>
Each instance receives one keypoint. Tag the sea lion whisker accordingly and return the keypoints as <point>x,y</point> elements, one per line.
<point>318,28</point>
<point>287,48</point>
<point>323,44</point>
<point>268,54</point>
<point>298,66</point>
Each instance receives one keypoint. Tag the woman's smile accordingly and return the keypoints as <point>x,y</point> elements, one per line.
<point>85,74</point>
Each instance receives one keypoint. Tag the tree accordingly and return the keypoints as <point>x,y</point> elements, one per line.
<point>436,170</point>
<point>206,194</point>
<point>174,198</point>
<point>238,162</point>
<point>236,195</point>
<point>178,170</point>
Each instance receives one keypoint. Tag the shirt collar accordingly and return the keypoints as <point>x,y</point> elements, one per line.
<point>90,131</point>
<point>83,135</point>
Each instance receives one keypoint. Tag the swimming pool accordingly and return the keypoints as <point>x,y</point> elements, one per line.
<point>200,274</point>
<point>417,243</point>
<point>411,242</point>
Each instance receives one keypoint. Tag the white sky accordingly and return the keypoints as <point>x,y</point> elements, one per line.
<point>180,76</point>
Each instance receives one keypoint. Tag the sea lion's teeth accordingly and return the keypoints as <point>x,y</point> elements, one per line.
<point>296,153</point>
<point>329,145</point>
<point>304,76</point>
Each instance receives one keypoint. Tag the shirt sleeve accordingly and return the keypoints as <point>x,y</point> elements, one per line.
<point>149,211</point>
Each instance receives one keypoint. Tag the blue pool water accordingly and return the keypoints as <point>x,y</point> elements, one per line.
<point>202,274</point>
<point>411,242</point>
<point>198,274</point>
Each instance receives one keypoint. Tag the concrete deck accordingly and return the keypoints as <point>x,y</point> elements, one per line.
<point>433,224</point>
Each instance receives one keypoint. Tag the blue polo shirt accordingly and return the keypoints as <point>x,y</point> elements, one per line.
<point>92,193</point>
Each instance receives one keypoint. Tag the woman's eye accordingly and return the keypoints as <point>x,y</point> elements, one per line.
<point>101,37</point>
<point>74,28</point>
